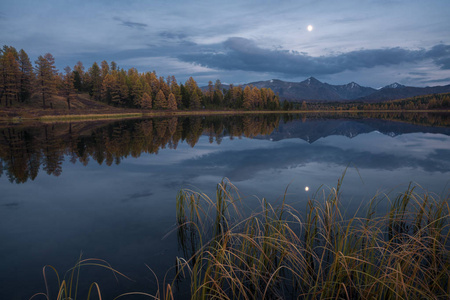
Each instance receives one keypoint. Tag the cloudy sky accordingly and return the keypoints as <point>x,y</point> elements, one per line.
<point>371,42</point>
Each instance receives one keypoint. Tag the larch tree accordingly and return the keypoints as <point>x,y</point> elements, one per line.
<point>194,102</point>
<point>95,81</point>
<point>79,77</point>
<point>109,89</point>
<point>68,89</point>
<point>160,101</point>
<point>46,76</point>
<point>154,84</point>
<point>194,92</point>
<point>164,87</point>
<point>247,98</point>
<point>210,93</point>
<point>172,102</point>
<point>26,76</point>
<point>104,69</point>
<point>137,90</point>
<point>175,89</point>
<point>218,95</point>
<point>10,75</point>
<point>255,97</point>
<point>146,101</point>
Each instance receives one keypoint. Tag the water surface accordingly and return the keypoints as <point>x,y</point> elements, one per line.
<point>108,190</point>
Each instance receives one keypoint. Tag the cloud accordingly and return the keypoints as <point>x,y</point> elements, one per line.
<point>440,55</point>
<point>243,54</point>
<point>445,80</point>
<point>131,24</point>
<point>173,35</point>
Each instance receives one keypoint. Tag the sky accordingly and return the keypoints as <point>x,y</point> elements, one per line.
<point>371,42</point>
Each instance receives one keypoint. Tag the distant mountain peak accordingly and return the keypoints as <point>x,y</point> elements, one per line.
<point>394,85</point>
<point>274,80</point>
<point>311,80</point>
<point>353,85</point>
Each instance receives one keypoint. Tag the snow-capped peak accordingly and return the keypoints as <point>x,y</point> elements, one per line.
<point>353,85</point>
<point>394,85</point>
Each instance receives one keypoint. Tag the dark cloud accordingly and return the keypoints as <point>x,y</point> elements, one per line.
<point>440,55</point>
<point>418,73</point>
<point>173,35</point>
<point>445,80</point>
<point>130,24</point>
<point>243,54</point>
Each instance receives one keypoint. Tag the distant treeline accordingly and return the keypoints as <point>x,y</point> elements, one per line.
<point>434,101</point>
<point>109,84</point>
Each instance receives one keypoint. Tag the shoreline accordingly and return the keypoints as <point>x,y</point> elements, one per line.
<point>61,116</point>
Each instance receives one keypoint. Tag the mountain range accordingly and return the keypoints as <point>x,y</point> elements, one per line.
<point>312,89</point>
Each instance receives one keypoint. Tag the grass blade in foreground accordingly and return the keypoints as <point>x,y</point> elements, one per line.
<point>278,252</point>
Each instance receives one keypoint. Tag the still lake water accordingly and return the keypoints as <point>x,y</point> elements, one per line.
<point>108,190</point>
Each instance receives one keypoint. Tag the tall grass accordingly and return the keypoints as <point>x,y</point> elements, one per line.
<point>68,285</point>
<point>277,252</point>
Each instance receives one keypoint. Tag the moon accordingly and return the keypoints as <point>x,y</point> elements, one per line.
<point>306,188</point>
<point>310,28</point>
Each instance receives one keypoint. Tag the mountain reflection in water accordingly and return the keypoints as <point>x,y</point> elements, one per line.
<point>23,150</point>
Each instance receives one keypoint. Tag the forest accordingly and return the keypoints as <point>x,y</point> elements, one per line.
<point>21,84</point>
<point>426,102</point>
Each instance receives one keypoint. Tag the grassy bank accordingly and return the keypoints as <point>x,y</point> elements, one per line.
<point>17,115</point>
<point>277,252</point>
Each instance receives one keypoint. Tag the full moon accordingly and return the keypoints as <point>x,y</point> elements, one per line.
<point>310,28</point>
<point>306,188</point>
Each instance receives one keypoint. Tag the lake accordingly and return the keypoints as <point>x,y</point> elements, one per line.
<point>108,189</point>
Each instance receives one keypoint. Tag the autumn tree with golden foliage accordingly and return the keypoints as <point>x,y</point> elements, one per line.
<point>46,77</point>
